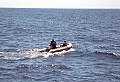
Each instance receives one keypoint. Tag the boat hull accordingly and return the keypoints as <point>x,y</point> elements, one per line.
<point>58,49</point>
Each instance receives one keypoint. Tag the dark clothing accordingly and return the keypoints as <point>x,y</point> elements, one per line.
<point>53,44</point>
<point>65,44</point>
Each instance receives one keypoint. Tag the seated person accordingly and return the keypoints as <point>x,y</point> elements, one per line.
<point>53,44</point>
<point>65,44</point>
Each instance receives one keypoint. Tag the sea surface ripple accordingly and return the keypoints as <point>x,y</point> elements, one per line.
<point>94,33</point>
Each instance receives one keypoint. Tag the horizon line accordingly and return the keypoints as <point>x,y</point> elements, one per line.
<point>53,8</point>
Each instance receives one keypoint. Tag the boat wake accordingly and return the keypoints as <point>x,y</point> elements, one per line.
<point>28,54</point>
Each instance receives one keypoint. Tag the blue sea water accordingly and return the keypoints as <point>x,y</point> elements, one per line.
<point>94,33</point>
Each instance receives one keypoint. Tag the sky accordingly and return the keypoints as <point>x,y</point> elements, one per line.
<point>60,3</point>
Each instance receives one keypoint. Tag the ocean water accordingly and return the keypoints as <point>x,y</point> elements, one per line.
<point>94,34</point>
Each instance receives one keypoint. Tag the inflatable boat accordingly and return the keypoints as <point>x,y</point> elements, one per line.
<point>57,49</point>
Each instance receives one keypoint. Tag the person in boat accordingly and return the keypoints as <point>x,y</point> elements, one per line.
<point>65,43</point>
<point>53,44</point>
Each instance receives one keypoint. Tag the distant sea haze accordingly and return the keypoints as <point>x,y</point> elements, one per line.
<point>94,34</point>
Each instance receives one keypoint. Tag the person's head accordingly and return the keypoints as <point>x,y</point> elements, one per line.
<point>65,41</point>
<point>52,39</point>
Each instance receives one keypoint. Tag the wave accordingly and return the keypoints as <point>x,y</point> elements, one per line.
<point>21,66</point>
<point>32,53</point>
<point>108,53</point>
<point>61,66</point>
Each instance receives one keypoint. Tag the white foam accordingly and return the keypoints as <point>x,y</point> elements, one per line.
<point>33,53</point>
<point>116,54</point>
